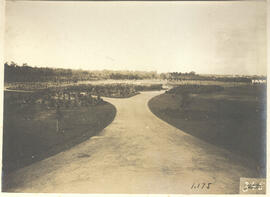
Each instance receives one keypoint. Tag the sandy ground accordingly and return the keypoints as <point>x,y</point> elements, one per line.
<point>136,153</point>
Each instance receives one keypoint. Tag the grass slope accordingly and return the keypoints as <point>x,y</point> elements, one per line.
<point>30,133</point>
<point>233,117</point>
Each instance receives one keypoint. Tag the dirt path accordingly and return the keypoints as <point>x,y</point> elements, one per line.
<point>137,153</point>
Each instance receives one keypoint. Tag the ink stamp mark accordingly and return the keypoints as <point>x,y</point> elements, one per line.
<point>252,186</point>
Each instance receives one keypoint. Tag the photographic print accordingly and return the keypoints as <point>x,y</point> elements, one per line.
<point>134,97</point>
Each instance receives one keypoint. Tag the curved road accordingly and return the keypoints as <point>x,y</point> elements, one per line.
<point>136,153</point>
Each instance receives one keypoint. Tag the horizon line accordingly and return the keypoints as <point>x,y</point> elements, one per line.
<point>129,70</point>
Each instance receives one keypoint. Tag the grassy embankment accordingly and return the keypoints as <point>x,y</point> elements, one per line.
<point>232,117</point>
<point>31,132</point>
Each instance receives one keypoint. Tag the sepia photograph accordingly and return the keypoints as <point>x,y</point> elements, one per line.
<point>134,97</point>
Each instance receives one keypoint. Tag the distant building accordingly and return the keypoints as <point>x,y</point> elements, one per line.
<point>258,81</point>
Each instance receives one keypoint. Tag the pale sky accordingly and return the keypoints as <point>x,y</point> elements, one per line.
<point>205,37</point>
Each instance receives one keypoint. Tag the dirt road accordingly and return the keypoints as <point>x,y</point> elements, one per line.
<point>136,153</point>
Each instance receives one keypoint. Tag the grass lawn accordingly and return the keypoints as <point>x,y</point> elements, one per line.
<point>233,118</point>
<point>30,131</point>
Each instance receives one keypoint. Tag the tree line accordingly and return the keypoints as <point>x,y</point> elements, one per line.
<point>26,73</point>
<point>178,76</point>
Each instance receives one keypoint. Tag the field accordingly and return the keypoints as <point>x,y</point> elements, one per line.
<point>232,117</point>
<point>36,130</point>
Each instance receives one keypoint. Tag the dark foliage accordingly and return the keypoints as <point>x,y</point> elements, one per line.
<point>25,73</point>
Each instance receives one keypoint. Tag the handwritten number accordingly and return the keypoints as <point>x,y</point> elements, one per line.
<point>208,185</point>
<point>203,185</point>
<point>193,186</point>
